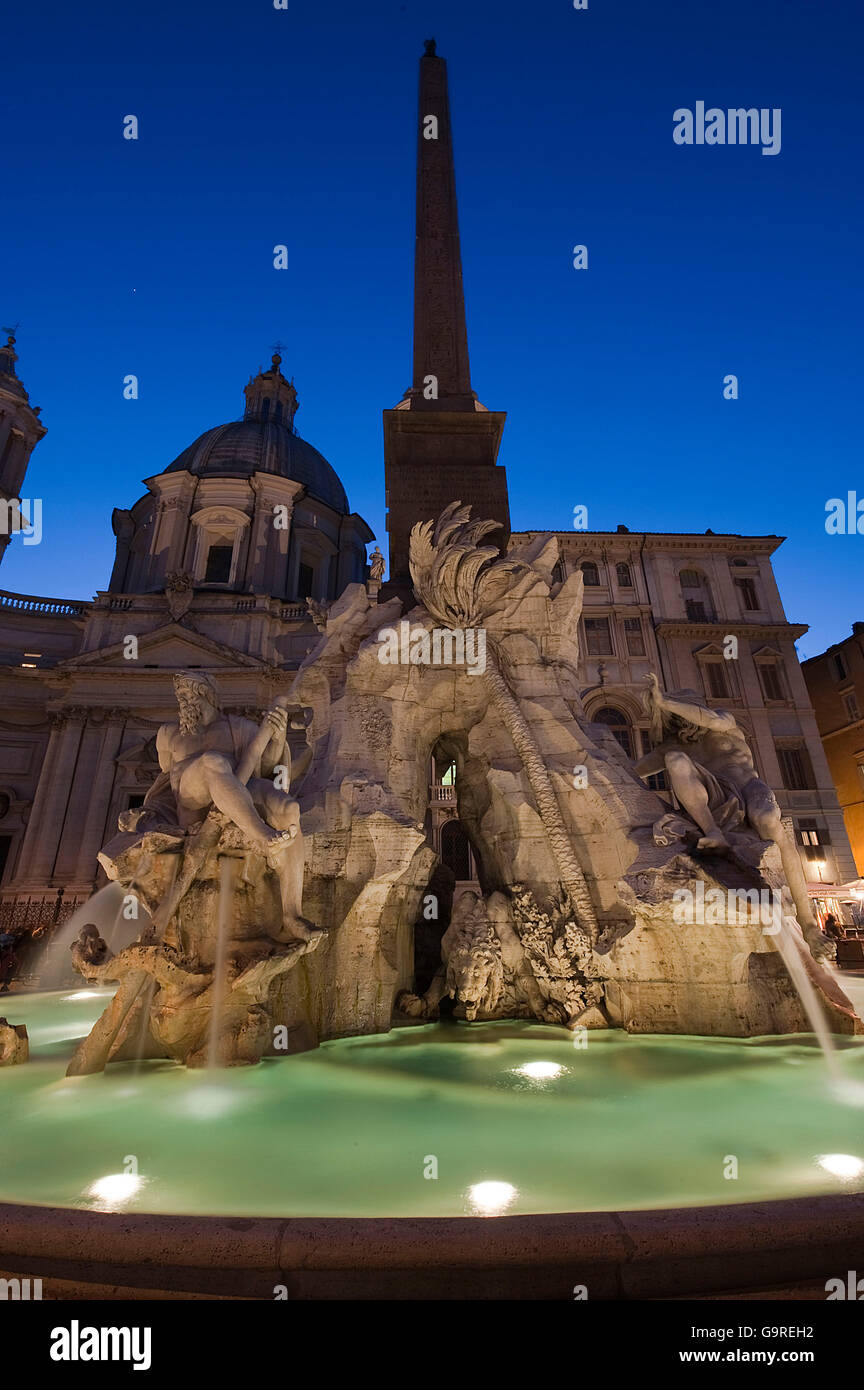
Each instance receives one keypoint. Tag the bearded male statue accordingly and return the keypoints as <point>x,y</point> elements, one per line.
<point>712,773</point>
<point>208,758</point>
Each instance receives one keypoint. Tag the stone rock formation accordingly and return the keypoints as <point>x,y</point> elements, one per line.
<point>14,1043</point>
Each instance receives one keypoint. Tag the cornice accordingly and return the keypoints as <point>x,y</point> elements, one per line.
<point>679,627</point>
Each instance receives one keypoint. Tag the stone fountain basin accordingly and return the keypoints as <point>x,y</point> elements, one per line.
<point>607,1165</point>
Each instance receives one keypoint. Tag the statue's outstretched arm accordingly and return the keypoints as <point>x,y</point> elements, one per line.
<point>718,721</point>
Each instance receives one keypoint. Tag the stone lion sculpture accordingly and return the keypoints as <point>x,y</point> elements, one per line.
<point>485,968</point>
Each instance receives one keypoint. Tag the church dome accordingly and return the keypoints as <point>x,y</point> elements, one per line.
<point>264,442</point>
<point>244,447</point>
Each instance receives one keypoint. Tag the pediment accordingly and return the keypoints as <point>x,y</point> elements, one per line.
<point>171,646</point>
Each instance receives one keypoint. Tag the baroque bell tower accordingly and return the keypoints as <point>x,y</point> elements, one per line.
<point>440,443</point>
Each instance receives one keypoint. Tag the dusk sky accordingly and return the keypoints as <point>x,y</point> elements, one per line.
<point>261,126</point>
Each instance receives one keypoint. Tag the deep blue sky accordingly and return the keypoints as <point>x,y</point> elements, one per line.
<point>260,126</point>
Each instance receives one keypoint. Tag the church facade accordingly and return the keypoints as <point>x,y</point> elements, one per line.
<point>217,562</point>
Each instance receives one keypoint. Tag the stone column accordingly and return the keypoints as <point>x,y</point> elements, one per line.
<point>101,787</point>
<point>43,832</point>
<point>40,800</point>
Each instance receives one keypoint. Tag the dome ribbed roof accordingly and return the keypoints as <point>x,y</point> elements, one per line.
<point>244,447</point>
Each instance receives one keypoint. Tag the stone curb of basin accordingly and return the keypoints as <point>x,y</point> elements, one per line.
<point>673,1253</point>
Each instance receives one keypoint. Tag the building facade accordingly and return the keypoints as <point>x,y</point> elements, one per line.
<point>835,682</point>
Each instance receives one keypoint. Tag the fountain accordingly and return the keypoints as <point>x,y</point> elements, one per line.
<point>590,991</point>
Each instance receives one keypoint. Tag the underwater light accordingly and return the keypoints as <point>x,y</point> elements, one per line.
<point>540,1071</point>
<point>491,1198</point>
<point>116,1188</point>
<point>841,1165</point>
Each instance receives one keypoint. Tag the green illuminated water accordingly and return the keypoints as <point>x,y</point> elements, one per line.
<point>349,1129</point>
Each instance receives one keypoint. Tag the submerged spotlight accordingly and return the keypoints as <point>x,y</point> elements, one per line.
<point>540,1071</point>
<point>845,1166</point>
<point>116,1188</point>
<point>491,1198</point>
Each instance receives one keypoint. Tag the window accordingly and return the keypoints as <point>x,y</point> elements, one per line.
<point>305,580</point>
<point>444,770</point>
<point>218,568</point>
<point>696,594</point>
<point>715,680</point>
<point>840,668</point>
<point>559,574</point>
<point>635,636</point>
<point>591,574</point>
<point>772,684</point>
<point>813,838</point>
<point>796,768</point>
<point>619,724</point>
<point>219,533</point>
<point>625,578</point>
<point>598,637</point>
<point>850,703</point>
<point>749,599</point>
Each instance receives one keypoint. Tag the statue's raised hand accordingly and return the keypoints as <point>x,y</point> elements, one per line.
<point>277,718</point>
<point>653,693</point>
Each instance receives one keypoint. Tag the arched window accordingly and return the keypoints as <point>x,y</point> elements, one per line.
<point>625,578</point>
<point>620,725</point>
<point>590,573</point>
<point>219,536</point>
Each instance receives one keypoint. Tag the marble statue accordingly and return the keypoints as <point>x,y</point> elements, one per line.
<point>209,759</point>
<point>376,561</point>
<point>712,774</point>
<point>215,855</point>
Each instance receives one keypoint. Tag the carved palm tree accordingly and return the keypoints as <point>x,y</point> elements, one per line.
<point>463,584</point>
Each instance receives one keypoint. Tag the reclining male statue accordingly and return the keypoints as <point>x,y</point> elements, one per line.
<point>713,775</point>
<point>208,758</point>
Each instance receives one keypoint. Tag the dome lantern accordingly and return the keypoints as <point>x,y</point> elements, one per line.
<point>270,397</point>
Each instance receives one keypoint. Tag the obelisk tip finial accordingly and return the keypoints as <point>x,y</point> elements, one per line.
<point>430,47</point>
